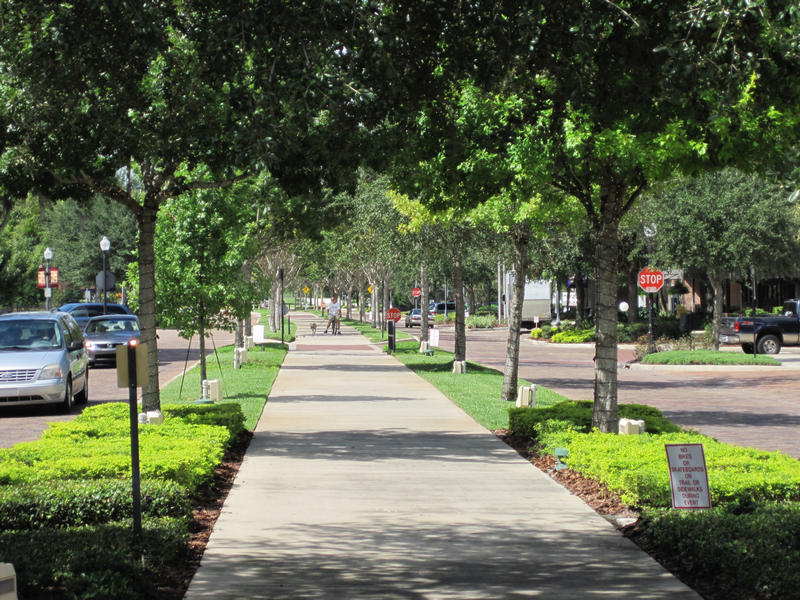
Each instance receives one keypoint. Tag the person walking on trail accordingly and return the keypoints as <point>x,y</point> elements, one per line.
<point>334,308</point>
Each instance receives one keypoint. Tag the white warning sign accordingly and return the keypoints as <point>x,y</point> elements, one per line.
<point>688,476</point>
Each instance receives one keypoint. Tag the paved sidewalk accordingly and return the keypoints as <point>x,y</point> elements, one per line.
<point>364,482</point>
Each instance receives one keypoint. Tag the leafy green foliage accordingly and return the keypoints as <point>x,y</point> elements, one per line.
<point>481,321</point>
<point>87,502</point>
<point>70,561</point>
<point>523,421</point>
<point>748,549</point>
<point>98,447</point>
<point>573,336</point>
<point>634,466</point>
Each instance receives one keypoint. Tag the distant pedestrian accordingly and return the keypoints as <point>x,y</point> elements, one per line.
<point>334,308</point>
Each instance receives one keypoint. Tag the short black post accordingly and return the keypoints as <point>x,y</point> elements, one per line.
<point>135,477</point>
<point>390,324</point>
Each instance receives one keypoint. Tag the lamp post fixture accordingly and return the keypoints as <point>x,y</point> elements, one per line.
<point>105,246</point>
<point>48,256</point>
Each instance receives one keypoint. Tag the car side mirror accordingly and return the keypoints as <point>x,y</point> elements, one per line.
<point>75,345</point>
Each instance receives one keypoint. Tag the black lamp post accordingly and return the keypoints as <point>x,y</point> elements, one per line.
<point>48,256</point>
<point>105,246</point>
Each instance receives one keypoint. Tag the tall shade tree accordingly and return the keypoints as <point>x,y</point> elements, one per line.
<point>627,92</point>
<point>202,240</point>
<point>95,93</point>
<point>726,223</point>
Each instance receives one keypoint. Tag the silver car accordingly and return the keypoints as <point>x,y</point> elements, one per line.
<point>103,334</point>
<point>42,360</point>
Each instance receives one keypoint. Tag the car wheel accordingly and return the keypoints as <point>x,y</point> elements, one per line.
<point>69,402</point>
<point>747,348</point>
<point>82,397</point>
<point>769,344</point>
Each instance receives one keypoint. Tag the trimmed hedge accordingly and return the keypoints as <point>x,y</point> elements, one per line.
<point>748,550</point>
<point>96,445</point>
<point>522,421</point>
<point>87,502</point>
<point>94,561</point>
<point>635,466</point>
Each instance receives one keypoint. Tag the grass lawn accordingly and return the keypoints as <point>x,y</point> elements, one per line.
<point>707,357</point>
<point>289,327</point>
<point>373,334</point>
<point>476,392</point>
<point>248,386</point>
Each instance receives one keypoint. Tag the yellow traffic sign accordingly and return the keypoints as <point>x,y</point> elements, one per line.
<point>306,289</point>
<point>369,289</point>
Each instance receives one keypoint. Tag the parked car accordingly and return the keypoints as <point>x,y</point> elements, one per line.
<point>42,360</point>
<point>103,334</point>
<point>414,318</point>
<point>83,311</point>
<point>765,335</point>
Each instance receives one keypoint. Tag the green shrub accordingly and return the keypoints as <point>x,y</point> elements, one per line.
<point>228,415</point>
<point>749,550</point>
<point>573,336</point>
<point>95,561</point>
<point>96,445</point>
<point>481,321</point>
<point>635,466</point>
<point>537,333</point>
<point>82,502</point>
<point>522,421</point>
<point>630,332</point>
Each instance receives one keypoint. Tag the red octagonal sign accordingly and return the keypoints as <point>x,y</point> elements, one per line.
<point>651,280</point>
<point>394,314</point>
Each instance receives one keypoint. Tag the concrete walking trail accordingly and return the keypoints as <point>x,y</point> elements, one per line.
<point>363,481</point>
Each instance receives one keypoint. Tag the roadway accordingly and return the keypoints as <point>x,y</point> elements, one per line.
<point>746,406</point>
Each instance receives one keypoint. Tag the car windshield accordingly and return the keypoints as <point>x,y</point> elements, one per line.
<point>111,325</point>
<point>29,334</point>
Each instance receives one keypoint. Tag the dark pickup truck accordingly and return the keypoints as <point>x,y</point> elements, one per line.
<point>766,335</point>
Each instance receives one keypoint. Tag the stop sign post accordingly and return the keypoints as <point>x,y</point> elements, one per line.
<point>650,280</point>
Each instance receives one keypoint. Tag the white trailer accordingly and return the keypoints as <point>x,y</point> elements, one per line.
<point>537,303</point>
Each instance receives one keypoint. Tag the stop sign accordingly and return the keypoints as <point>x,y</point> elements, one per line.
<point>393,314</point>
<point>416,292</point>
<point>651,280</point>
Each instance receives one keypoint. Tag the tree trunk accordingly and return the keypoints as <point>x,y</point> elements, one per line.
<point>604,416</point>
<point>151,399</point>
<point>473,307</point>
<point>633,296</point>
<point>717,287</point>
<point>201,332</point>
<point>521,243</point>
<point>423,307</point>
<point>580,300</point>
<point>460,350</point>
<point>248,325</point>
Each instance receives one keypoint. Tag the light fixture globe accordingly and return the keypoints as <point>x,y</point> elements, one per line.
<point>105,244</point>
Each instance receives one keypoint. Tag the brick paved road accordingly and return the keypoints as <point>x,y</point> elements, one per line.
<point>745,406</point>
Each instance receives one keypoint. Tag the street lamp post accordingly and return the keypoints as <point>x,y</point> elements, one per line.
<point>48,256</point>
<point>105,246</point>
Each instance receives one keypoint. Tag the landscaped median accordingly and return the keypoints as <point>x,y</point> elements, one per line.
<point>745,547</point>
<point>65,500</point>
